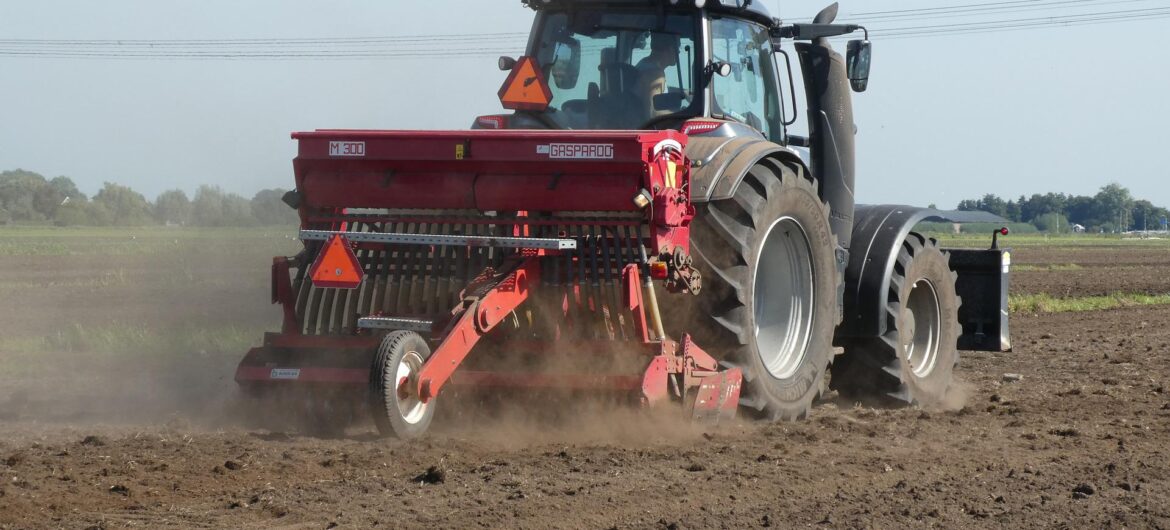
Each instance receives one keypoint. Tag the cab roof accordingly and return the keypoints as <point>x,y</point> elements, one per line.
<point>750,9</point>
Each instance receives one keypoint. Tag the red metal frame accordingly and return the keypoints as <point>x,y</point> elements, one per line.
<point>505,171</point>
<point>480,313</point>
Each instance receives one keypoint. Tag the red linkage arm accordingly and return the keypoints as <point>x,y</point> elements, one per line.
<point>480,315</point>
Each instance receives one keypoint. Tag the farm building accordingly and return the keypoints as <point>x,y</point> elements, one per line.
<point>958,218</point>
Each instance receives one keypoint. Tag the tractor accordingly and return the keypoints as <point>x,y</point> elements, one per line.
<point>641,224</point>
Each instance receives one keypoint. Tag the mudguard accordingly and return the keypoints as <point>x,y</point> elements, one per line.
<point>720,163</point>
<point>982,281</point>
<point>878,232</point>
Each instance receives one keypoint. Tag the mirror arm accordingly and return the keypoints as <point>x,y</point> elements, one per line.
<point>816,31</point>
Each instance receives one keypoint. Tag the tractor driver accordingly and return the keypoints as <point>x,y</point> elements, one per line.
<point>664,48</point>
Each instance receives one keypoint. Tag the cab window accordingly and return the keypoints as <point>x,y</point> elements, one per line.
<point>750,93</point>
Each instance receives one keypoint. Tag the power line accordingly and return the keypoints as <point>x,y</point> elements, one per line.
<point>267,41</point>
<point>486,44</point>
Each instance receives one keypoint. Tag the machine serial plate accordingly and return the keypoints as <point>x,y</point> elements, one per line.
<point>285,373</point>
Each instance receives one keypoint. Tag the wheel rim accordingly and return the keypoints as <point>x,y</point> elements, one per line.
<point>921,326</point>
<point>410,407</point>
<point>783,297</point>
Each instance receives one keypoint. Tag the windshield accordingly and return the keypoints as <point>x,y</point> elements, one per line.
<point>617,69</point>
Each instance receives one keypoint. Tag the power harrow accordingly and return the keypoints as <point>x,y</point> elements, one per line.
<point>468,258</point>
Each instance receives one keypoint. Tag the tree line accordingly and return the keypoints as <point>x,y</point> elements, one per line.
<point>1112,209</point>
<point>28,197</point>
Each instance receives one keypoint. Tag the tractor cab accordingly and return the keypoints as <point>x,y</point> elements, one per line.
<point>650,64</point>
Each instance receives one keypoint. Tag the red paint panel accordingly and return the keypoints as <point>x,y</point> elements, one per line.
<point>573,192</point>
<point>325,189</point>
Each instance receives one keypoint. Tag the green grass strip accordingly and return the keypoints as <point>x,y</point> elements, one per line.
<point>1045,303</point>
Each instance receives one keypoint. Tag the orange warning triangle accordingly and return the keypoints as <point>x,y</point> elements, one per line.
<point>336,265</point>
<point>526,88</point>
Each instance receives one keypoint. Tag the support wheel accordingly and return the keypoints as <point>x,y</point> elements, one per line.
<point>768,304</point>
<point>913,362</point>
<point>398,410</point>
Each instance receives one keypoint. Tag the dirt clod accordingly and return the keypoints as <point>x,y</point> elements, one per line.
<point>433,475</point>
<point>93,441</point>
<point>120,490</point>
<point>232,465</point>
<point>696,467</point>
<point>1085,489</point>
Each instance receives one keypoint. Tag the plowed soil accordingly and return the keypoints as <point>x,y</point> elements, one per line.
<point>1078,435</point>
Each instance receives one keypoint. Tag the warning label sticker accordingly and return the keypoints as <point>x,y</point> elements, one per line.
<point>577,151</point>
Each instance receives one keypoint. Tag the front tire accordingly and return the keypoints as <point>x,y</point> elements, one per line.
<point>913,362</point>
<point>768,304</point>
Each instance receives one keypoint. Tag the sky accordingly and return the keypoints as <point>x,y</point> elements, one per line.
<point>947,116</point>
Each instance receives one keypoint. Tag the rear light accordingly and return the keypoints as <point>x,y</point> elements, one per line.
<point>700,127</point>
<point>492,122</point>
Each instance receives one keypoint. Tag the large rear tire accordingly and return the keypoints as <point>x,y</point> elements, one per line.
<point>768,304</point>
<point>913,362</point>
<point>397,409</point>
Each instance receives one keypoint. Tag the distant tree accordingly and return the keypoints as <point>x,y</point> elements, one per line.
<point>1053,223</point>
<point>1081,210</point>
<point>18,191</point>
<point>1011,210</point>
<point>237,211</point>
<point>212,207</point>
<point>125,206</point>
<point>207,206</point>
<point>1038,205</point>
<point>968,205</point>
<point>173,207</point>
<point>53,194</point>
<point>1113,203</point>
<point>75,212</point>
<point>270,210</point>
<point>98,213</point>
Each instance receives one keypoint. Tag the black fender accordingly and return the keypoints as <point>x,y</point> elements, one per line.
<point>878,232</point>
<point>719,164</point>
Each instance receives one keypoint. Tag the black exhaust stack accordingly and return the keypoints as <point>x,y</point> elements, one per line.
<point>831,126</point>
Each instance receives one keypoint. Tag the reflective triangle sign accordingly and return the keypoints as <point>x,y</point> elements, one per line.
<point>336,266</point>
<point>526,88</point>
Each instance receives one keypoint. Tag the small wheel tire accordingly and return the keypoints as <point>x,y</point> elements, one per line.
<point>913,362</point>
<point>398,410</point>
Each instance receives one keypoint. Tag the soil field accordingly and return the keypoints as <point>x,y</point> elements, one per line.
<point>117,410</point>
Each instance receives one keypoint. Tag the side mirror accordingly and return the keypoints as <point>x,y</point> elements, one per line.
<point>506,63</point>
<point>566,63</point>
<point>670,101</point>
<point>857,64</point>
